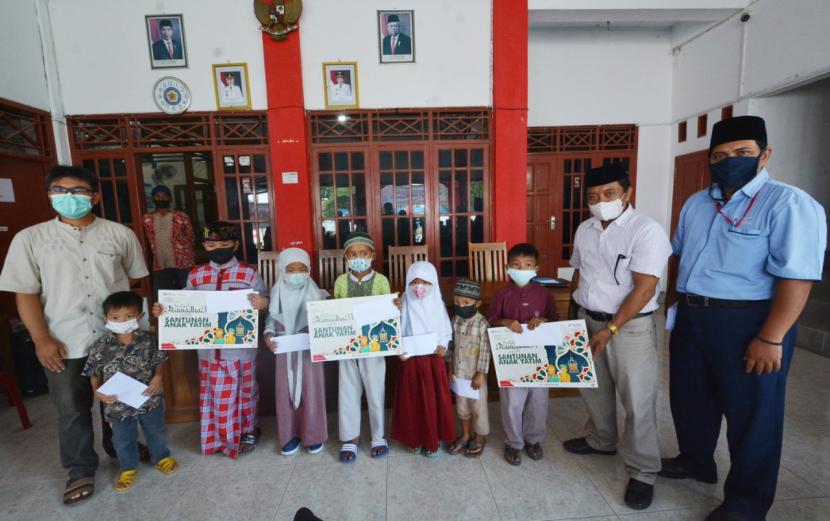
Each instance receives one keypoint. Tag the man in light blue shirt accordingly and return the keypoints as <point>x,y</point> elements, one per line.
<point>749,251</point>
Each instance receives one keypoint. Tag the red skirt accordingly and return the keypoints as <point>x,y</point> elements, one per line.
<point>422,413</point>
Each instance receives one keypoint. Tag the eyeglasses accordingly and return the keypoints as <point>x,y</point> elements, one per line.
<point>75,190</point>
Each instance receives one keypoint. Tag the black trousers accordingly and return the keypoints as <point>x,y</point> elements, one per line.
<point>708,382</point>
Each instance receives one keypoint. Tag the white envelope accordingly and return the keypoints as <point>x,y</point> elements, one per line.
<point>219,301</point>
<point>420,345</point>
<point>291,343</point>
<point>464,388</point>
<point>127,389</point>
<point>375,310</point>
<point>547,334</point>
<point>671,317</point>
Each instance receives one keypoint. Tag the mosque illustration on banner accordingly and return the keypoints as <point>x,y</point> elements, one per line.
<point>567,363</point>
<point>232,328</point>
<point>378,337</point>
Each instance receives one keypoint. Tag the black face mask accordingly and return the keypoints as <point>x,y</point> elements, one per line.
<point>221,255</point>
<point>734,172</point>
<point>465,312</point>
<point>161,204</point>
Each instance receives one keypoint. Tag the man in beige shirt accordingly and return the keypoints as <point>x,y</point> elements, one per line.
<point>61,271</point>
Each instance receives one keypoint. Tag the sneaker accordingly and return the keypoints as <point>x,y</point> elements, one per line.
<point>316,449</point>
<point>291,447</point>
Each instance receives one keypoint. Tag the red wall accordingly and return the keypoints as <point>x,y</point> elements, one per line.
<point>510,120</point>
<point>288,141</point>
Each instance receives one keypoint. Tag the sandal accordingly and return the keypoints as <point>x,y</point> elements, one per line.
<point>432,454</point>
<point>348,453</point>
<point>513,456</point>
<point>78,489</point>
<point>458,446</point>
<point>167,465</point>
<point>126,480</point>
<point>474,448</point>
<point>534,451</point>
<point>248,441</point>
<point>380,449</point>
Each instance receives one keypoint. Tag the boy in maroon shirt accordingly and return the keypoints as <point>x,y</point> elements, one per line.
<point>524,410</point>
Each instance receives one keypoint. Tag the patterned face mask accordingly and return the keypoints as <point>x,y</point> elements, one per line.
<point>420,290</point>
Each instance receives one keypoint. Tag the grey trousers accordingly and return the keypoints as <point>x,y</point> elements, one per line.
<point>627,367</point>
<point>72,395</point>
<point>524,413</point>
<point>355,376</point>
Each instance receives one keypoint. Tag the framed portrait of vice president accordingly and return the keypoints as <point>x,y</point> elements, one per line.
<point>396,36</point>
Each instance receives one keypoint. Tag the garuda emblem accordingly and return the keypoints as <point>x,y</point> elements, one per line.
<point>278,18</point>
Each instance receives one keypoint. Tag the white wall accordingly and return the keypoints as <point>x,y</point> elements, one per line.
<point>782,45</point>
<point>21,55</point>
<point>585,77</point>
<point>104,62</point>
<point>452,53</point>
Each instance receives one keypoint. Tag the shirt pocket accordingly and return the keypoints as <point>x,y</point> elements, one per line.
<point>109,265</point>
<point>746,234</point>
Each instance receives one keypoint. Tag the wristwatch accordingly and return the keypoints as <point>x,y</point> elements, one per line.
<point>612,328</point>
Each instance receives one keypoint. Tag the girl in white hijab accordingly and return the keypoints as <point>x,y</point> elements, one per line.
<point>422,410</point>
<point>300,386</point>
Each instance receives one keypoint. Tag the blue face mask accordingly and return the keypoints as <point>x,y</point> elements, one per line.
<point>296,280</point>
<point>521,277</point>
<point>734,172</point>
<point>360,264</point>
<point>71,206</point>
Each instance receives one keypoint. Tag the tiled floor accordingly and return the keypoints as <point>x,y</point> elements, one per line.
<point>267,486</point>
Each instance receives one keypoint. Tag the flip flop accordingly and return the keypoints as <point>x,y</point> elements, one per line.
<point>248,441</point>
<point>345,450</point>
<point>82,487</point>
<point>383,445</point>
<point>474,449</point>
<point>458,446</point>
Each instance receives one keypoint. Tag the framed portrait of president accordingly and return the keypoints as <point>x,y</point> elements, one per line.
<point>165,40</point>
<point>396,36</point>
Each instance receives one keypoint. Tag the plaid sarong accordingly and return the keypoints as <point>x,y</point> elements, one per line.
<point>228,396</point>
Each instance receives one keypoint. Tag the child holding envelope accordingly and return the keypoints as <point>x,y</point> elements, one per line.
<point>423,415</point>
<point>470,355</point>
<point>300,386</point>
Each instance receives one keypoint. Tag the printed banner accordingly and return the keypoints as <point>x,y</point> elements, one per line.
<point>335,336</point>
<point>566,363</point>
<point>207,320</point>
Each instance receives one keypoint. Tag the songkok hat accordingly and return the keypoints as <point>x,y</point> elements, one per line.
<point>467,288</point>
<point>160,189</point>
<point>738,129</point>
<point>392,18</point>
<point>359,238</point>
<point>606,174</point>
<point>220,231</point>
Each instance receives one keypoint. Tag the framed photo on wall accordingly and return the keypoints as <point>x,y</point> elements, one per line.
<point>340,85</point>
<point>230,82</point>
<point>165,39</point>
<point>396,36</point>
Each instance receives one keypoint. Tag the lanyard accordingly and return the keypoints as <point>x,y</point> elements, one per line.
<point>729,219</point>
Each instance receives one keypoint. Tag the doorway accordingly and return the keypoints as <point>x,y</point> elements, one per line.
<point>558,158</point>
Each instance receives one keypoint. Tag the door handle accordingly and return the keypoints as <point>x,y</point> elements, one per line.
<point>552,222</point>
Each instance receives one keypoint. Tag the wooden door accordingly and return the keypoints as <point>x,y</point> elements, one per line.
<point>691,174</point>
<point>544,210</point>
<point>31,206</point>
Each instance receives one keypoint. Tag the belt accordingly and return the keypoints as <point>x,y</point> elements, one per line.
<point>606,317</point>
<point>698,301</point>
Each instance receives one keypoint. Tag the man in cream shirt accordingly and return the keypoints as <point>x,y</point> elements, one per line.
<point>60,271</point>
<point>619,256</point>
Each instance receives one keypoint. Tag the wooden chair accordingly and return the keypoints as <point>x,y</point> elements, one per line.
<point>488,261</point>
<point>400,259</point>
<point>330,265</point>
<point>269,267</point>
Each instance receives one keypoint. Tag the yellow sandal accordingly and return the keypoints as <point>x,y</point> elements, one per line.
<point>126,480</point>
<point>167,465</point>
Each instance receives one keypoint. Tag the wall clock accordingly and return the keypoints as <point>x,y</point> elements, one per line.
<point>172,95</point>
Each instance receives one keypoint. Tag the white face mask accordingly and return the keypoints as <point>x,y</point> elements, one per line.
<point>122,328</point>
<point>607,211</point>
